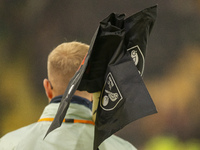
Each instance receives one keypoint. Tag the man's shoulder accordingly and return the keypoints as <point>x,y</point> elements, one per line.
<point>19,131</point>
<point>115,142</point>
<point>12,138</point>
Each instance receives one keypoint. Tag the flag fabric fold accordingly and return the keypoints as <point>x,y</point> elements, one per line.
<point>114,65</point>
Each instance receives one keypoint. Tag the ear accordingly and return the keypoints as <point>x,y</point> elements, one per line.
<point>48,90</point>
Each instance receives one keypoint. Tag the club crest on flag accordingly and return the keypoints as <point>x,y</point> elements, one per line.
<point>138,58</point>
<point>111,96</point>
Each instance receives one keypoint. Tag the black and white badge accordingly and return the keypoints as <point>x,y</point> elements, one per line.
<point>111,95</point>
<point>138,58</point>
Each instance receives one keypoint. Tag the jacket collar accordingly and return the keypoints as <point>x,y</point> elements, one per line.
<point>75,99</point>
<point>79,108</point>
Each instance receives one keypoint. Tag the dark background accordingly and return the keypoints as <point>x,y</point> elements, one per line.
<point>30,29</point>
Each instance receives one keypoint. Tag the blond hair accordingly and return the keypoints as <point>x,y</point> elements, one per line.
<point>63,62</point>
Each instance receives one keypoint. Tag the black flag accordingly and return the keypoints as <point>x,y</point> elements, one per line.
<point>115,68</point>
<point>114,65</point>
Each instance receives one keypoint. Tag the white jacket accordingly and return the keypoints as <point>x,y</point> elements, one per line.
<point>70,136</point>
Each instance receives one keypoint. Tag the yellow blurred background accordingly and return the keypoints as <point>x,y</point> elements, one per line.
<point>29,30</point>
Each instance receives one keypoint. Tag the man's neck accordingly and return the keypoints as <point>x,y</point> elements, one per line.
<point>84,94</point>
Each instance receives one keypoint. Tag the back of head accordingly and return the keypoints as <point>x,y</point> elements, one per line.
<point>63,62</point>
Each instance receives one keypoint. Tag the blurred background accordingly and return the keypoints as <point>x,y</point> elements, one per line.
<point>30,29</point>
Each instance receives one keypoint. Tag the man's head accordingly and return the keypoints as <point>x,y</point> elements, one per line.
<point>62,64</point>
